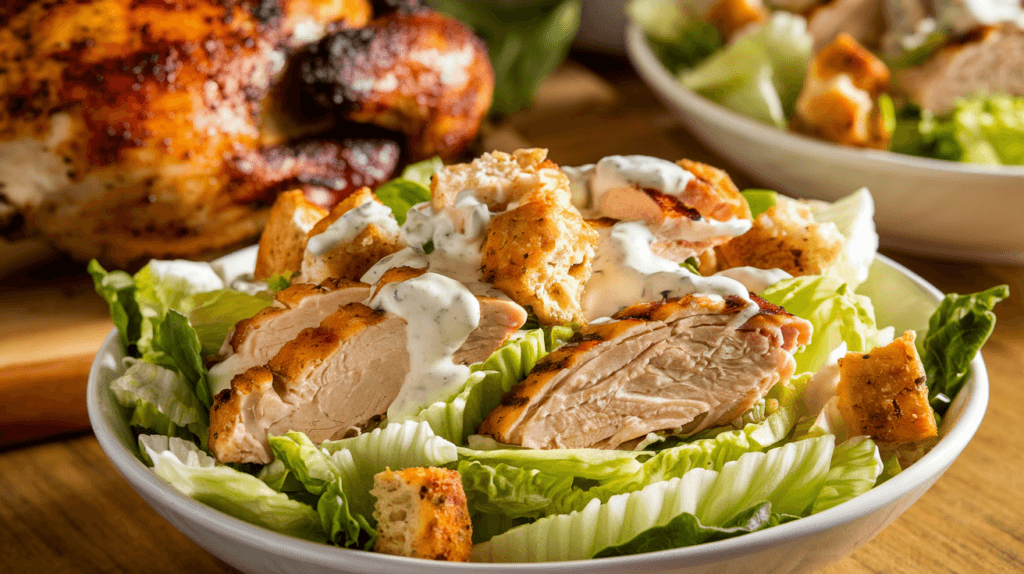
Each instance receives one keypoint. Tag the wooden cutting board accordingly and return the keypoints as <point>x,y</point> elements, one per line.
<point>52,322</point>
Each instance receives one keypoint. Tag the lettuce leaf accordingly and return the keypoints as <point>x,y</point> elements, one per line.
<point>118,289</point>
<point>311,466</point>
<point>196,474</point>
<point>162,400</point>
<point>517,492</point>
<point>956,332</point>
<point>458,417</point>
<point>789,477</point>
<point>216,313</point>
<point>180,344</point>
<point>854,217</point>
<point>835,311</point>
<point>410,188</point>
<point>396,446</point>
<point>343,526</point>
<point>856,466</point>
<point>981,129</point>
<point>761,74</point>
<point>678,36</point>
<point>760,200</point>
<point>687,530</point>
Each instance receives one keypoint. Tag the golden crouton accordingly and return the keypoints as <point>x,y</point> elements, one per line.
<point>712,193</point>
<point>350,258</point>
<point>728,16</point>
<point>284,238</point>
<point>837,102</point>
<point>539,254</point>
<point>883,394</point>
<point>498,179</point>
<point>422,513</point>
<point>785,237</point>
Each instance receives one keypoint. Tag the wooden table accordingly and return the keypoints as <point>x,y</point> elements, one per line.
<point>63,507</point>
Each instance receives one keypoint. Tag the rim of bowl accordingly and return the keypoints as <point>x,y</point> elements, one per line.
<point>929,467</point>
<point>664,82</point>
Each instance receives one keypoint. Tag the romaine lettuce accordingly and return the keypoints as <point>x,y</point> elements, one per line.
<point>856,466</point>
<point>835,311</point>
<point>956,332</point>
<point>761,74</point>
<point>197,474</point>
<point>789,477</point>
<point>161,398</point>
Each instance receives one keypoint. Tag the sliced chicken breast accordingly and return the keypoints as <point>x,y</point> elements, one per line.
<point>256,340</point>
<point>680,363</point>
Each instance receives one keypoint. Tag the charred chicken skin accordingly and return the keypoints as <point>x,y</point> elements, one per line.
<point>132,129</point>
<point>413,71</point>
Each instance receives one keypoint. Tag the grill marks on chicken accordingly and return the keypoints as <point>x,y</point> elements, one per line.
<point>416,72</point>
<point>324,365</point>
<point>680,363</point>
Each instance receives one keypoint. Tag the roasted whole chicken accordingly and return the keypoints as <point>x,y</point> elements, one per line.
<point>132,129</point>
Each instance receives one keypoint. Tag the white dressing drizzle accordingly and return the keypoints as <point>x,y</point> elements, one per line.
<point>456,235</point>
<point>755,280</point>
<point>352,223</point>
<point>440,313</point>
<point>626,272</point>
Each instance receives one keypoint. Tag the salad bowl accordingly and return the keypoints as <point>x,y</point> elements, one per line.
<point>901,299</point>
<point>928,206</point>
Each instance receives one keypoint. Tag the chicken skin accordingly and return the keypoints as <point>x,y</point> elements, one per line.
<point>132,129</point>
<point>414,71</point>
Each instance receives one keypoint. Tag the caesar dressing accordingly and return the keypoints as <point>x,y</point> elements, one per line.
<point>440,314</point>
<point>351,224</point>
<point>753,279</point>
<point>455,237</point>
<point>626,272</point>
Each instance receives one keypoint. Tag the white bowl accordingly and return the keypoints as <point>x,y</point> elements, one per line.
<point>901,299</point>
<point>935,207</point>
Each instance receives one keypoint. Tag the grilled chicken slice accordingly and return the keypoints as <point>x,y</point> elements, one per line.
<point>676,364</point>
<point>256,340</point>
<point>987,60</point>
<point>335,377</point>
<point>864,20</point>
<point>328,380</point>
<point>420,73</point>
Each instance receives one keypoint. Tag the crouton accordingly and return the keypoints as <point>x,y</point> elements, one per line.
<point>729,16</point>
<point>357,233</point>
<point>785,237</point>
<point>883,394</point>
<point>539,254</point>
<point>499,179</point>
<point>284,237</point>
<point>837,102</point>
<point>422,513</point>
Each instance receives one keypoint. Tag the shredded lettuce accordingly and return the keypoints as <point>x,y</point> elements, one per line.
<point>836,312</point>
<point>761,74</point>
<point>956,332</point>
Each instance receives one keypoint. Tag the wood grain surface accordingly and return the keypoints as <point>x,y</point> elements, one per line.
<point>63,507</point>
